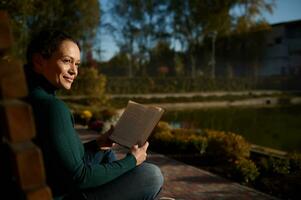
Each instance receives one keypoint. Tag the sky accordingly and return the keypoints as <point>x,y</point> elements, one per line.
<point>284,11</point>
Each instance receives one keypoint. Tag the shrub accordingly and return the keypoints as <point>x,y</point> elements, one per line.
<point>225,147</point>
<point>274,166</point>
<point>280,166</point>
<point>244,170</point>
<point>295,162</point>
<point>82,116</point>
<point>162,132</point>
<point>161,138</point>
<point>177,140</point>
<point>228,154</point>
<point>189,141</point>
<point>86,114</point>
<point>281,176</point>
<point>104,114</point>
<point>89,83</point>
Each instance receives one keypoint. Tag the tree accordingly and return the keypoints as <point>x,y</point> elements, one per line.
<point>138,25</point>
<point>161,57</point>
<point>194,20</point>
<point>79,18</point>
<point>117,66</point>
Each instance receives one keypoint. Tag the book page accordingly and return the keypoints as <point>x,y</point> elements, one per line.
<point>136,124</point>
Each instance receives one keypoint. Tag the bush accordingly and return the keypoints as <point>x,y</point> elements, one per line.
<point>274,166</point>
<point>280,166</point>
<point>216,146</point>
<point>225,147</point>
<point>104,114</point>
<point>295,162</point>
<point>244,170</point>
<point>177,140</point>
<point>281,176</point>
<point>89,83</point>
<point>228,154</point>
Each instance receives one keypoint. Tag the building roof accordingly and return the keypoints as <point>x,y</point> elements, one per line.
<point>293,22</point>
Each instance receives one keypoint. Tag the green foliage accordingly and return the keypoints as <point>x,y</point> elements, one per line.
<point>280,166</point>
<point>295,162</point>
<point>177,140</point>
<point>262,126</point>
<point>162,57</point>
<point>212,147</point>
<point>79,18</point>
<point>123,85</point>
<point>228,155</point>
<point>145,85</point>
<point>83,116</point>
<point>142,23</point>
<point>89,83</point>
<point>139,24</point>
<point>245,170</point>
<point>216,146</point>
<point>225,147</point>
<point>281,177</point>
<point>116,66</point>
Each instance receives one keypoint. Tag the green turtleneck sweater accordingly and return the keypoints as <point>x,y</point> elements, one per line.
<point>62,149</point>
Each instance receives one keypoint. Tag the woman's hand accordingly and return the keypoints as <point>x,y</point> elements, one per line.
<point>140,153</point>
<point>104,141</point>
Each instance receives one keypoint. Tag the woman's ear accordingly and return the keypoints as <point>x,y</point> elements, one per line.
<point>38,63</point>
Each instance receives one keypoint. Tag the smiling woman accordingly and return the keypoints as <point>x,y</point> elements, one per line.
<point>58,63</point>
<point>61,68</point>
<point>75,170</point>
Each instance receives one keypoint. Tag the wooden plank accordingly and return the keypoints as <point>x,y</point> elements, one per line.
<point>12,80</point>
<point>22,168</point>
<point>29,167</point>
<point>19,122</point>
<point>38,194</point>
<point>5,33</point>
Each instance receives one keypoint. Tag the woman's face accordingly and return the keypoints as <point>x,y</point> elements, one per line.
<point>62,67</point>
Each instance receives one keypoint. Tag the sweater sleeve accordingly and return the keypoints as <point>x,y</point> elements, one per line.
<point>91,146</point>
<point>69,151</point>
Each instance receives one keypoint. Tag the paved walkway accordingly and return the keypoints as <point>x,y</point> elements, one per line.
<point>185,182</point>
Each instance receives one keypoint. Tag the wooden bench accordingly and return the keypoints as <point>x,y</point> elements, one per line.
<point>22,174</point>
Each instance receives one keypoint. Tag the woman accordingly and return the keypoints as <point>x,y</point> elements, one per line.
<point>74,170</point>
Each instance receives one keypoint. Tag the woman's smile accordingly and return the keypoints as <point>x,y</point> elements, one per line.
<point>62,68</point>
<point>69,79</point>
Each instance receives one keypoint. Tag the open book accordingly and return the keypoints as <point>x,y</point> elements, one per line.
<point>136,124</point>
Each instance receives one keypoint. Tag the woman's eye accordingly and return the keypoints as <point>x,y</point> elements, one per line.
<point>67,61</point>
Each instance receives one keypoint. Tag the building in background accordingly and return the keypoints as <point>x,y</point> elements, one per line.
<point>282,55</point>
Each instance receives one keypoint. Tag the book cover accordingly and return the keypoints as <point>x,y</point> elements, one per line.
<point>136,124</point>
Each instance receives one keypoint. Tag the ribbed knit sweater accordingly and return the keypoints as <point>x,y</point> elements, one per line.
<point>62,149</point>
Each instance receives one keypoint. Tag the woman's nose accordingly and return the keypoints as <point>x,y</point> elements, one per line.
<point>73,69</point>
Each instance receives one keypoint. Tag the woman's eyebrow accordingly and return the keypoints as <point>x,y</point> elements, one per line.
<point>67,56</point>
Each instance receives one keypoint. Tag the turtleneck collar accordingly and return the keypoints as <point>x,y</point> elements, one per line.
<point>35,80</point>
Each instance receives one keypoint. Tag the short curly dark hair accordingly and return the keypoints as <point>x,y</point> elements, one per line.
<point>46,42</point>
